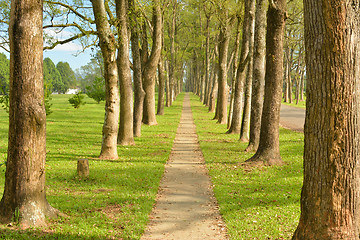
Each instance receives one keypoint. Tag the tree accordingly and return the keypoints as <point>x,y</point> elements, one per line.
<point>108,49</point>
<point>96,91</point>
<point>258,75</point>
<point>67,75</point>
<point>244,131</point>
<point>150,67</point>
<point>224,39</point>
<point>330,193</point>
<point>90,72</point>
<point>126,134</point>
<point>52,77</point>
<point>24,191</point>
<point>238,89</point>
<point>268,152</point>
<point>139,93</point>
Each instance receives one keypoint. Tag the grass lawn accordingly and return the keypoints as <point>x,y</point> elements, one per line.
<point>301,104</point>
<point>114,202</point>
<point>262,203</point>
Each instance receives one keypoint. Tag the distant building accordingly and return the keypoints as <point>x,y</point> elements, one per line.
<point>73,91</point>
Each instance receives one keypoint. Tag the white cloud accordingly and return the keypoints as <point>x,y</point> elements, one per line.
<point>68,47</point>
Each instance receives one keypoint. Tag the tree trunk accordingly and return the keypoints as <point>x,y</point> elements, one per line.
<point>207,61</point>
<point>222,81</point>
<point>139,93</point>
<point>172,53</point>
<point>213,95</point>
<point>235,66</point>
<point>235,125</point>
<point>162,77</point>
<point>24,195</point>
<point>302,85</point>
<point>167,82</point>
<point>126,130</point>
<point>108,50</point>
<point>288,76</point>
<point>330,194</point>
<point>150,68</point>
<point>244,131</point>
<point>268,152</point>
<point>258,75</point>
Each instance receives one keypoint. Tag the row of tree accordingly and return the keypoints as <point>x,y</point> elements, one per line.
<point>57,78</point>
<point>198,49</point>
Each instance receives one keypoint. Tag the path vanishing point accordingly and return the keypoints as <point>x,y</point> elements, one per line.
<point>185,207</point>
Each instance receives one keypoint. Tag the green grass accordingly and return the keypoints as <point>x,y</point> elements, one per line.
<point>114,202</point>
<point>260,203</point>
<point>301,104</point>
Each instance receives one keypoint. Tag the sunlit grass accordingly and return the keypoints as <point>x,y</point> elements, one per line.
<point>261,203</point>
<point>115,200</point>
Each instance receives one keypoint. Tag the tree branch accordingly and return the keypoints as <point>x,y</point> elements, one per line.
<point>73,10</point>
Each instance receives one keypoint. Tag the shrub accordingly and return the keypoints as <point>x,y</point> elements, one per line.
<point>77,100</point>
<point>97,90</point>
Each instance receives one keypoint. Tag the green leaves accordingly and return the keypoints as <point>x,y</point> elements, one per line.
<point>77,100</point>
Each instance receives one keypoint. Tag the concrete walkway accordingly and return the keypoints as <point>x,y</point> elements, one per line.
<point>186,207</point>
<point>292,118</point>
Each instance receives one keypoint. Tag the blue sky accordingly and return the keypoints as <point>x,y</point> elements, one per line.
<point>70,52</point>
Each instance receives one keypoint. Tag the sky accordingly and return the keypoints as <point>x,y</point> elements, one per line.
<point>69,52</point>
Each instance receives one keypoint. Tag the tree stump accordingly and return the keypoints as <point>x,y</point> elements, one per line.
<point>83,167</point>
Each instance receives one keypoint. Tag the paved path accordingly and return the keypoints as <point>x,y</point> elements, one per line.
<point>186,207</point>
<point>292,118</point>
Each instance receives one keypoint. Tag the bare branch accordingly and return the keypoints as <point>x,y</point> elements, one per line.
<point>69,39</point>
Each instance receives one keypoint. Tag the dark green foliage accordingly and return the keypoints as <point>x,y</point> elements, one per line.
<point>96,90</point>
<point>4,73</point>
<point>77,100</point>
<point>67,75</point>
<point>53,77</point>
<point>4,101</point>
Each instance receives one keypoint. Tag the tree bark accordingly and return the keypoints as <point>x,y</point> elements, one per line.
<point>330,193</point>
<point>244,131</point>
<point>235,66</point>
<point>139,93</point>
<point>268,152</point>
<point>235,125</point>
<point>207,61</point>
<point>214,91</point>
<point>126,124</point>
<point>24,192</point>
<point>108,50</point>
<point>162,78</point>
<point>149,71</point>
<point>222,80</point>
<point>258,75</point>
<point>172,53</point>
